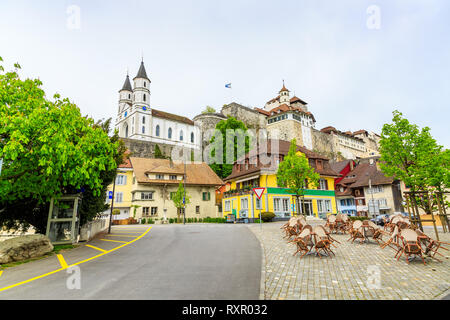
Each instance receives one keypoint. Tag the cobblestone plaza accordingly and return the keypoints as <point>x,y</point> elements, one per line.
<point>349,274</point>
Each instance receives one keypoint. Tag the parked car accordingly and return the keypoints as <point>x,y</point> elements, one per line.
<point>379,220</point>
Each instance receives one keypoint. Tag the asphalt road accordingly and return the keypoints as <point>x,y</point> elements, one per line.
<point>197,261</point>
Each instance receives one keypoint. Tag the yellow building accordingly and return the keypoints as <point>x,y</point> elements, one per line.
<point>147,187</point>
<point>260,171</point>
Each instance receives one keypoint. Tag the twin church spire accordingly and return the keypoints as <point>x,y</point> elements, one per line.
<point>142,74</point>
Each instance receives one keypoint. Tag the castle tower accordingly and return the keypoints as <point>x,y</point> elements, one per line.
<point>284,95</point>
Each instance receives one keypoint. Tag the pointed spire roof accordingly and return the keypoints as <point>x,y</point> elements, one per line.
<point>127,84</point>
<point>142,73</point>
<point>284,88</point>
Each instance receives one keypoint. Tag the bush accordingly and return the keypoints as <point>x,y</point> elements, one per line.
<point>267,216</point>
<point>143,221</point>
<point>352,218</point>
<point>200,220</point>
<point>257,221</point>
<point>170,220</point>
<point>195,220</point>
<point>150,221</point>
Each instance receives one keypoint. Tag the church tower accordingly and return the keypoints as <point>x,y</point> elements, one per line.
<point>284,95</point>
<point>134,117</point>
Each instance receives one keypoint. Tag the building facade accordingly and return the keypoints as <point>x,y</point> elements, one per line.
<point>150,185</point>
<point>138,120</point>
<point>260,170</point>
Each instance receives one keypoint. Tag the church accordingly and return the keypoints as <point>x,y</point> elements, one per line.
<point>137,120</point>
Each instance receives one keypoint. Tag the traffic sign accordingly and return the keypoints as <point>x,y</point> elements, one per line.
<point>110,194</point>
<point>259,192</point>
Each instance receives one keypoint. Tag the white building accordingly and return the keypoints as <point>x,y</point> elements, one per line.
<point>137,119</point>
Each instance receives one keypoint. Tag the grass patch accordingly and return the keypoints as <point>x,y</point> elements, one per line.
<point>57,248</point>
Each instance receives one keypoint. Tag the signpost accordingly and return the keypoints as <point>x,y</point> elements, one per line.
<point>259,192</point>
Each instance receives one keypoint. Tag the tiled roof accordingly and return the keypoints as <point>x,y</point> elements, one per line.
<point>196,174</point>
<point>283,149</point>
<point>171,116</point>
<point>297,99</point>
<point>364,171</point>
<point>339,165</point>
<point>283,89</point>
<point>264,112</point>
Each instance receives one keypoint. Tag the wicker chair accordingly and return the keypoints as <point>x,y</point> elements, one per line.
<point>331,223</point>
<point>303,242</point>
<point>394,241</point>
<point>431,246</point>
<point>411,245</point>
<point>356,231</point>
<point>322,242</point>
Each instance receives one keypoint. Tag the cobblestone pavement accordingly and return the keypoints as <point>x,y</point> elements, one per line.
<point>346,276</point>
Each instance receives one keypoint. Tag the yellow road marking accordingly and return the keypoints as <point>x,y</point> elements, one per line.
<point>1,271</point>
<point>113,240</point>
<point>74,264</point>
<point>62,261</point>
<point>96,248</point>
<point>126,232</point>
<point>118,235</point>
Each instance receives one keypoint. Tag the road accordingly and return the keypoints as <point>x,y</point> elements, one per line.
<point>195,261</point>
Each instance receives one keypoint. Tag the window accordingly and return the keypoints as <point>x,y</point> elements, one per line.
<point>143,120</point>
<point>160,176</point>
<point>258,204</point>
<point>169,133</point>
<point>154,211</point>
<point>119,197</point>
<point>244,204</point>
<point>129,96</point>
<point>145,84</point>
<point>181,135</point>
<point>192,137</point>
<point>323,184</point>
<point>227,205</point>
<point>121,180</point>
<point>319,164</point>
<point>143,129</point>
<point>285,202</point>
<point>206,196</point>
<point>197,209</point>
<point>146,195</point>
<point>145,211</point>
<point>173,177</point>
<point>157,130</point>
<point>375,189</point>
<point>144,96</point>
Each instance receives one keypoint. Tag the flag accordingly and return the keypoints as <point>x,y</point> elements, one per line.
<point>228,85</point>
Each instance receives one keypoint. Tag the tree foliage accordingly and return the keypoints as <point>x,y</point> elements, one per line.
<point>209,109</point>
<point>178,198</point>
<point>413,156</point>
<point>295,173</point>
<point>231,130</point>
<point>50,149</point>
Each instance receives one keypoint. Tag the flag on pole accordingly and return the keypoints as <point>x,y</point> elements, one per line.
<point>228,85</point>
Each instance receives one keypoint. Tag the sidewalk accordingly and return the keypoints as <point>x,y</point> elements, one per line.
<point>346,275</point>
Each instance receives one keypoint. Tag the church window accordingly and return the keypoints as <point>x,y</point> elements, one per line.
<point>169,133</point>
<point>144,97</point>
<point>143,129</point>
<point>181,135</point>
<point>143,120</point>
<point>192,137</point>
<point>157,130</point>
<point>129,96</point>
<point>145,84</point>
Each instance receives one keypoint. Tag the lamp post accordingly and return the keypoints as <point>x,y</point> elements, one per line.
<point>184,194</point>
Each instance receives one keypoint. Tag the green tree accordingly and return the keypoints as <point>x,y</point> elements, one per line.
<point>295,174</point>
<point>413,156</point>
<point>209,109</point>
<point>49,149</point>
<point>159,154</point>
<point>229,144</point>
<point>177,199</point>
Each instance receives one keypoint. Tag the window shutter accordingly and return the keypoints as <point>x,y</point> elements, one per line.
<point>209,195</point>
<point>124,180</point>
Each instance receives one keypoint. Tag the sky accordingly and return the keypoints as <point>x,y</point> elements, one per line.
<point>353,61</point>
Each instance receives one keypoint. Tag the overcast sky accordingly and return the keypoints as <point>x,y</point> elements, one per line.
<point>352,76</point>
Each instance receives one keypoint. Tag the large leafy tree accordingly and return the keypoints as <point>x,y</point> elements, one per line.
<point>231,131</point>
<point>295,173</point>
<point>413,156</point>
<point>49,149</point>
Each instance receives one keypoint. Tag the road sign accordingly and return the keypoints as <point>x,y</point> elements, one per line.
<point>110,194</point>
<point>259,192</point>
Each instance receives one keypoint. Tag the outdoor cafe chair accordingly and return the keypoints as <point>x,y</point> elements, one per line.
<point>356,231</point>
<point>328,234</point>
<point>322,242</point>
<point>303,242</point>
<point>293,229</point>
<point>410,245</point>
<point>431,246</point>
<point>331,223</point>
<point>393,241</point>
<point>377,232</point>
